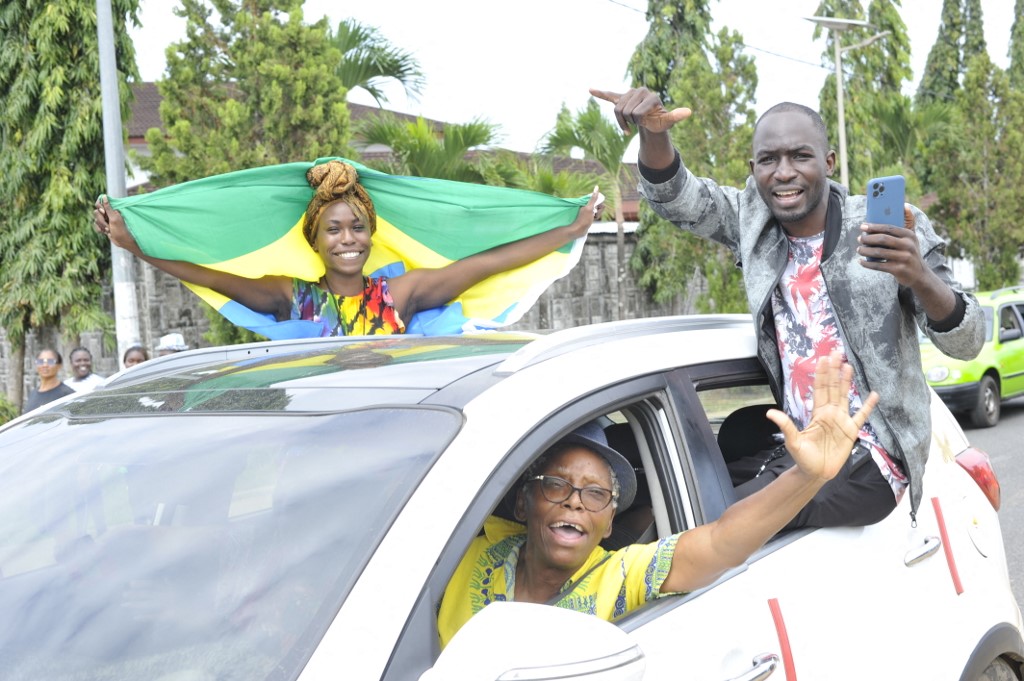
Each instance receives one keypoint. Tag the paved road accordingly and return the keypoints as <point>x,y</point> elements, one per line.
<point>1004,445</point>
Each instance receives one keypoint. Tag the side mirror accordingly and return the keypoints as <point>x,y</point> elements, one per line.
<point>1009,335</point>
<point>505,639</point>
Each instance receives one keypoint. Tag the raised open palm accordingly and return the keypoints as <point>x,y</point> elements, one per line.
<point>822,448</point>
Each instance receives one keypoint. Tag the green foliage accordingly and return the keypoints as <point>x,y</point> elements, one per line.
<point>418,149</point>
<point>260,88</point>
<point>52,264</point>
<point>223,332</point>
<point>367,59</point>
<point>1016,49</point>
<point>974,32</point>
<point>980,202</point>
<point>537,173</point>
<point>905,132</point>
<point>7,410</point>
<point>961,38</point>
<point>604,142</point>
<point>688,65</point>
<point>873,77</point>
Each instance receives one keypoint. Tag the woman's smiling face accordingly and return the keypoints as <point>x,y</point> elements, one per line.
<point>342,240</point>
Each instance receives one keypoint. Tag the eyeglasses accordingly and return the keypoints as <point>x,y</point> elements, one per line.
<point>46,361</point>
<point>556,490</point>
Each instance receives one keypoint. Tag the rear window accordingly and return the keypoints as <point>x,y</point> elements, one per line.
<point>194,546</point>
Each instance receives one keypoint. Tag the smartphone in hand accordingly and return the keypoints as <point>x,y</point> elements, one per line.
<point>885,199</point>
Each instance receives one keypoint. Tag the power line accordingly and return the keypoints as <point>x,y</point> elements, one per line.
<point>749,47</point>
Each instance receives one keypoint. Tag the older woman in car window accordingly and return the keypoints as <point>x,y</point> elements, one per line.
<point>568,499</point>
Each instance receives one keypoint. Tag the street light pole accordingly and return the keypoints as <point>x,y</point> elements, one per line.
<point>837,26</point>
<point>126,309</point>
<point>844,173</point>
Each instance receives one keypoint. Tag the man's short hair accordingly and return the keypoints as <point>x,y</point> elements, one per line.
<point>787,107</point>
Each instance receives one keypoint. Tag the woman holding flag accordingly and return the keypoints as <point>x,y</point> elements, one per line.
<point>339,223</point>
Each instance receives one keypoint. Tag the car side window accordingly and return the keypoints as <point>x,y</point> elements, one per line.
<point>1009,324</point>
<point>633,417</point>
<point>1007,319</point>
<point>744,434</point>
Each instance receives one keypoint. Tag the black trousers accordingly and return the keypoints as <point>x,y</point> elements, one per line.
<point>858,495</point>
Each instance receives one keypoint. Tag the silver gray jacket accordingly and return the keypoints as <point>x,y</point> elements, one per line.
<point>878,319</point>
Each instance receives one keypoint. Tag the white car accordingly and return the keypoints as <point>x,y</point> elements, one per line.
<point>294,510</point>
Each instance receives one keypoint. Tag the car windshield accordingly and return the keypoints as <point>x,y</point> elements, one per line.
<point>194,546</point>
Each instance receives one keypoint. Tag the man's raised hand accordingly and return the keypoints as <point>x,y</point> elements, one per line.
<point>821,449</point>
<point>642,108</point>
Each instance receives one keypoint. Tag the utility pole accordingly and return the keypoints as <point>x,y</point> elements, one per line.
<point>837,26</point>
<point>126,308</point>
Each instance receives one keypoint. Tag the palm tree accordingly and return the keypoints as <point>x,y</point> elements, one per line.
<point>367,59</point>
<point>428,151</point>
<point>538,174</point>
<point>905,130</point>
<point>601,141</point>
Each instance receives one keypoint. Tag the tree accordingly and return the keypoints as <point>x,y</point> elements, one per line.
<point>688,65</point>
<point>905,132</point>
<point>52,264</point>
<point>961,38</point>
<point>601,141</point>
<point>979,200</point>
<point>537,173</point>
<point>1016,49</point>
<point>873,75</point>
<point>260,88</point>
<point>368,59</point>
<point>417,148</point>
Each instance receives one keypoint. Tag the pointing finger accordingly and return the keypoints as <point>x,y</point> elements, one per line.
<point>680,114</point>
<point>612,97</point>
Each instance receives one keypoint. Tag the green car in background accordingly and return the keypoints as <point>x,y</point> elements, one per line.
<point>977,387</point>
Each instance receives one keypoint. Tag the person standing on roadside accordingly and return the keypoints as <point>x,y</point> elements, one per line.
<point>82,378</point>
<point>48,366</point>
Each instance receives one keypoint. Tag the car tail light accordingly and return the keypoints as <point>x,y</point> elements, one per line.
<point>979,467</point>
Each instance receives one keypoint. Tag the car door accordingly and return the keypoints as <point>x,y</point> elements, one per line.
<point>1010,349</point>
<point>806,602</point>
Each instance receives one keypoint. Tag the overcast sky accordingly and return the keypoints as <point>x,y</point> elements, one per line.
<point>515,64</point>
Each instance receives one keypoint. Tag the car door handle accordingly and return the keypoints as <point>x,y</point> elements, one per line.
<point>926,550</point>
<point>764,665</point>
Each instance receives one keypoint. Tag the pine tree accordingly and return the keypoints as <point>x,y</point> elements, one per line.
<point>980,202</point>
<point>1016,49</point>
<point>944,66</point>
<point>52,263</point>
<point>974,32</point>
<point>688,65</point>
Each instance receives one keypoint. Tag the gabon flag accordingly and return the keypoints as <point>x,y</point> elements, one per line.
<point>249,223</point>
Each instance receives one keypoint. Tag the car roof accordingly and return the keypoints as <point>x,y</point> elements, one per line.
<point>332,374</point>
<point>998,295</point>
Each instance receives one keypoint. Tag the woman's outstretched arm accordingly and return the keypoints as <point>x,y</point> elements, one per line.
<point>269,294</point>
<point>425,288</point>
